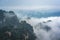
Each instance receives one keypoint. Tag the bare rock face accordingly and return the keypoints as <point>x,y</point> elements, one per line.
<point>11,29</point>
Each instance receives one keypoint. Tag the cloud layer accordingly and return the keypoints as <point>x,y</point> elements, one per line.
<point>41,25</point>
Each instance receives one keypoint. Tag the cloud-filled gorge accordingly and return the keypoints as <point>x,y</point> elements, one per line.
<point>30,25</point>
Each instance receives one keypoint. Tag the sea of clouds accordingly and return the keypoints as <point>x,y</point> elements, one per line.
<point>39,26</point>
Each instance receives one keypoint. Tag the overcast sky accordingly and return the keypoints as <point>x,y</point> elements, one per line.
<point>29,3</point>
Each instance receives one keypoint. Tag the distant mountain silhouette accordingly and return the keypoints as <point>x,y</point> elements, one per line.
<point>43,26</point>
<point>39,13</point>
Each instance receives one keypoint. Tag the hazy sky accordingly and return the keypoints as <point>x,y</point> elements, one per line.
<point>28,3</point>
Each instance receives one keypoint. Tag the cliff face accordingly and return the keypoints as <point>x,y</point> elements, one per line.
<point>11,29</point>
<point>8,18</point>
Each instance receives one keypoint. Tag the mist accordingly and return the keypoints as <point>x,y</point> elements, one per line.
<point>41,28</point>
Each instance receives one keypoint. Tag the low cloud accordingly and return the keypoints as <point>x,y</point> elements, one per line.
<point>39,25</point>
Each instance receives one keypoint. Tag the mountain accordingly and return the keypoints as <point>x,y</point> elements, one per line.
<point>39,13</point>
<point>12,29</point>
<point>43,26</point>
